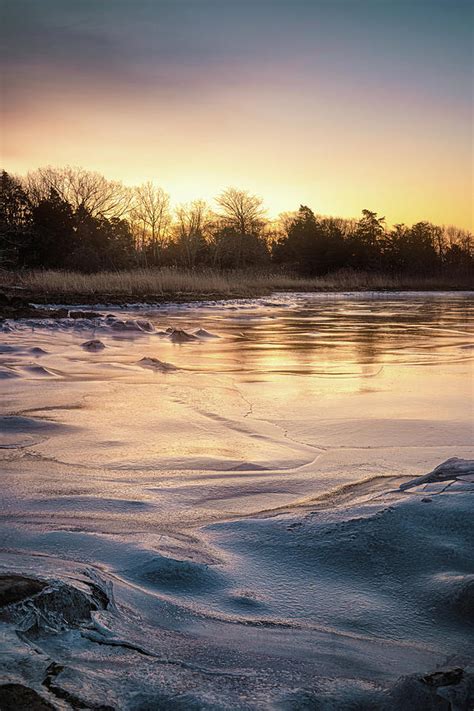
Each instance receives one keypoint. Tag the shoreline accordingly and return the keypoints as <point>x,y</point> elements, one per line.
<point>20,302</point>
<point>168,285</point>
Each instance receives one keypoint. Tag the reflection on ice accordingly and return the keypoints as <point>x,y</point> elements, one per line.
<point>228,506</point>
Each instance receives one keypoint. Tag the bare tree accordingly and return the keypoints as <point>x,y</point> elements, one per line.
<point>192,224</point>
<point>151,210</point>
<point>241,210</point>
<point>82,189</point>
<point>457,236</point>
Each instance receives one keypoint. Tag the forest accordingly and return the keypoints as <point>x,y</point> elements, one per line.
<point>77,220</point>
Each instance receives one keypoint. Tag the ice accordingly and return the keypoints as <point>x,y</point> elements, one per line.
<point>259,504</point>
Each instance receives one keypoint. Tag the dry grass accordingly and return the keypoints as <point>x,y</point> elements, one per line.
<point>180,284</point>
<point>133,282</point>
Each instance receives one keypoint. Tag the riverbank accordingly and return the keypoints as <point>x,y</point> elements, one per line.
<point>163,285</point>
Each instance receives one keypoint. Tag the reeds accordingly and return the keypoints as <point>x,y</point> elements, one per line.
<point>174,283</point>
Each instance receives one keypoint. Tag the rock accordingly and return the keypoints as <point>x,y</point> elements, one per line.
<point>19,307</point>
<point>202,333</point>
<point>50,313</point>
<point>444,677</point>
<point>83,314</point>
<point>139,324</point>
<point>14,588</point>
<point>145,325</point>
<point>179,336</point>
<point>156,364</point>
<point>76,702</point>
<point>55,605</point>
<point>441,690</point>
<point>411,694</point>
<point>93,346</point>
<point>16,697</point>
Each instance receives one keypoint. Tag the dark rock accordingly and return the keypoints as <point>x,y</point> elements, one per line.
<point>68,603</point>
<point>441,690</point>
<point>411,694</point>
<point>57,606</point>
<point>156,364</point>
<point>145,325</point>
<point>16,697</point>
<point>177,335</point>
<point>83,314</point>
<point>99,596</point>
<point>93,346</point>
<point>54,313</point>
<point>13,306</point>
<point>444,677</point>
<point>14,588</point>
<point>60,692</point>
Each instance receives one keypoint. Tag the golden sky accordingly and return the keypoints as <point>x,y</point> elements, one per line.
<point>341,106</point>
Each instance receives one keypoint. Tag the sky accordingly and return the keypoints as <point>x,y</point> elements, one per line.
<point>337,104</point>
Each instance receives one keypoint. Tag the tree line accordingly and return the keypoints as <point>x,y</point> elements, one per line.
<point>75,219</point>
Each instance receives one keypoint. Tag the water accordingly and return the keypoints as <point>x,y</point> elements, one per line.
<point>239,505</point>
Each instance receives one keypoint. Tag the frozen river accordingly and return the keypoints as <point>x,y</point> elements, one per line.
<point>209,494</point>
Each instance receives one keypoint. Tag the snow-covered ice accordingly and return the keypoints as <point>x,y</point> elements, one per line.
<point>264,504</point>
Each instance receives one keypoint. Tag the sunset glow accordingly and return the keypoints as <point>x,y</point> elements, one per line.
<point>342,106</point>
<point>236,358</point>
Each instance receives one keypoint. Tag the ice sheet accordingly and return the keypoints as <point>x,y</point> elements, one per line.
<point>228,474</point>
